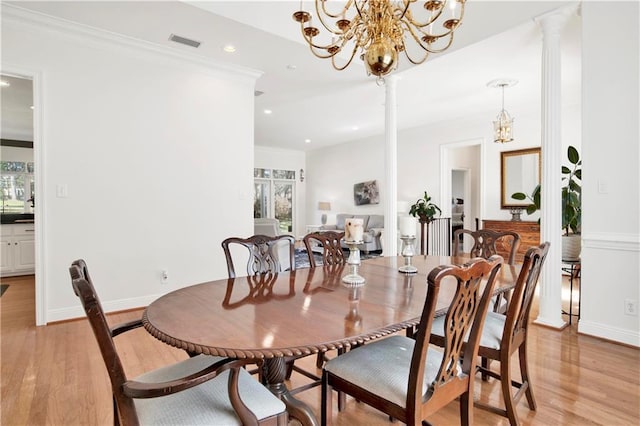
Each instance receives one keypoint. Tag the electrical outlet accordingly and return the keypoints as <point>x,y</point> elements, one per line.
<point>164,276</point>
<point>630,307</point>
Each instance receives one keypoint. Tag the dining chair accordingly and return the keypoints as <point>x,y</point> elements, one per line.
<point>332,254</point>
<point>405,377</point>
<point>329,242</point>
<point>265,253</point>
<point>199,390</point>
<point>502,335</point>
<point>486,243</point>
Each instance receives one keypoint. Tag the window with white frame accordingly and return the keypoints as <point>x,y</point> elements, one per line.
<point>274,196</point>
<point>17,186</point>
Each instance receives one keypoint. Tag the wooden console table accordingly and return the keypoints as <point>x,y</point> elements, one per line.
<point>529,235</point>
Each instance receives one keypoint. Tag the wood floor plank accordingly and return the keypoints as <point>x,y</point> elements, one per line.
<point>54,375</point>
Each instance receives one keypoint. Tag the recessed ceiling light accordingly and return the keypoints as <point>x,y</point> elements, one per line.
<point>355,128</point>
<point>32,107</point>
<point>267,111</point>
<point>4,83</point>
<point>229,48</point>
<point>307,141</point>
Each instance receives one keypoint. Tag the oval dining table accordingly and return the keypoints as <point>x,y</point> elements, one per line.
<point>280,317</point>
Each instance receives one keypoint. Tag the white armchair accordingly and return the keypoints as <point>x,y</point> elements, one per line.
<point>266,226</point>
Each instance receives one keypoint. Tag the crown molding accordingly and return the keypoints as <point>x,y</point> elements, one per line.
<point>90,35</point>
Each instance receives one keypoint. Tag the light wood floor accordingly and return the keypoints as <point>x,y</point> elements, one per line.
<point>54,375</point>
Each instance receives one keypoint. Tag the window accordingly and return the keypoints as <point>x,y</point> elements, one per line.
<point>17,186</point>
<point>274,196</point>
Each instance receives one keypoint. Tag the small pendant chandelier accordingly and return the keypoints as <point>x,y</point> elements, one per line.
<point>503,125</point>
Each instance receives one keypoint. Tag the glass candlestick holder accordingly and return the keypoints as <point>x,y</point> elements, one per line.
<point>408,252</point>
<point>353,261</point>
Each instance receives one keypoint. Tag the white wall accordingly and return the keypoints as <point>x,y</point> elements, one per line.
<point>156,151</point>
<point>332,172</point>
<point>611,196</point>
<point>272,158</point>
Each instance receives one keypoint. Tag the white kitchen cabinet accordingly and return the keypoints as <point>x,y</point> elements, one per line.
<point>18,249</point>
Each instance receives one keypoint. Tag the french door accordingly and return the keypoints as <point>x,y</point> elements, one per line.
<point>274,197</point>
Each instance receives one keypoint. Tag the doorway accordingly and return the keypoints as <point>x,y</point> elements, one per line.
<point>459,193</point>
<point>461,181</point>
<point>20,117</point>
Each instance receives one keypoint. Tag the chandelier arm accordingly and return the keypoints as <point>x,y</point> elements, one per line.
<point>422,44</point>
<point>431,20</point>
<point>435,17</point>
<point>404,10</point>
<point>313,45</point>
<point>331,15</point>
<point>353,54</point>
<point>418,62</point>
<point>330,28</point>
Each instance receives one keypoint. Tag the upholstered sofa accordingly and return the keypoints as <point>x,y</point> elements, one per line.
<point>373,226</point>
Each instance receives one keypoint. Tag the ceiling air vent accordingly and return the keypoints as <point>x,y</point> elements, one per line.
<point>257,93</point>
<point>184,40</point>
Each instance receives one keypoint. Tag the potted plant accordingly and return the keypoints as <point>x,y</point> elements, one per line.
<point>424,209</point>
<point>571,204</point>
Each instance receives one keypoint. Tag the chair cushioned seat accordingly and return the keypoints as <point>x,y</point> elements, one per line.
<point>207,403</point>
<point>491,332</point>
<point>382,367</point>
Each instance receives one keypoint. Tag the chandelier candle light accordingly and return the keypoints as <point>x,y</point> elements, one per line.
<point>503,126</point>
<point>353,232</point>
<point>380,30</point>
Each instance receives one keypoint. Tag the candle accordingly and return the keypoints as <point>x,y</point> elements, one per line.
<point>408,226</point>
<point>353,229</point>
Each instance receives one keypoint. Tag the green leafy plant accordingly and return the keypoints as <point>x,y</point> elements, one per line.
<point>424,209</point>
<point>571,194</point>
<point>534,198</point>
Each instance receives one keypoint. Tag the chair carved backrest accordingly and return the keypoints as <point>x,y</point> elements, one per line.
<point>256,289</point>
<point>84,289</point>
<point>517,319</point>
<point>332,253</point>
<point>475,282</point>
<point>486,243</point>
<point>263,253</point>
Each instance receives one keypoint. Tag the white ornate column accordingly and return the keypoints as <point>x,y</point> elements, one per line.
<point>390,234</point>
<point>551,195</point>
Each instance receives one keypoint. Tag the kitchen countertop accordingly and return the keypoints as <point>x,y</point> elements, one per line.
<point>10,218</point>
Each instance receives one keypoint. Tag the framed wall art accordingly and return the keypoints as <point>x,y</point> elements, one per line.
<point>366,193</point>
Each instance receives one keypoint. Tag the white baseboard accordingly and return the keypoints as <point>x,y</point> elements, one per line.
<point>63,314</point>
<point>626,336</point>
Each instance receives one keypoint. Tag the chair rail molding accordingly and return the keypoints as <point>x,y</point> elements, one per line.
<point>611,241</point>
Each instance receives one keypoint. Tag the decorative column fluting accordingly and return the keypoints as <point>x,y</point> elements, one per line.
<point>550,284</point>
<point>390,234</point>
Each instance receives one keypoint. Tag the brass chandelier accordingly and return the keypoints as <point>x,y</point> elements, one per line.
<point>380,30</point>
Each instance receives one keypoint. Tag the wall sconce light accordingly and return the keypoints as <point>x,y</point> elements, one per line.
<point>301,175</point>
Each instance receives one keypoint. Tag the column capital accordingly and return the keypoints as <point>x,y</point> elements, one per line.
<point>553,23</point>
